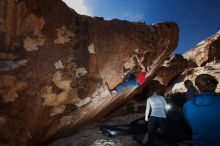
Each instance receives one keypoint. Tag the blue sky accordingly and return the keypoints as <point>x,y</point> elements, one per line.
<point>197,19</point>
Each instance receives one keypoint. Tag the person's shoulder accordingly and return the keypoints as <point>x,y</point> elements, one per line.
<point>188,103</point>
<point>160,96</point>
<point>217,97</point>
<point>152,97</point>
<point>213,96</point>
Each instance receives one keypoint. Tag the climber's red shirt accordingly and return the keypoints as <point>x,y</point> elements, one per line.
<point>140,77</point>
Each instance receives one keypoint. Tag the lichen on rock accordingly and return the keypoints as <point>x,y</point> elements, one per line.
<point>84,102</point>
<point>63,35</point>
<point>91,48</point>
<point>31,44</point>
<point>67,95</point>
<point>33,24</point>
<point>57,110</point>
<point>59,65</point>
<point>10,87</point>
<point>81,71</point>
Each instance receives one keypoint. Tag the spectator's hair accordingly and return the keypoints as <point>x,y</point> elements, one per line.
<point>206,83</point>
<point>159,90</point>
<point>188,83</point>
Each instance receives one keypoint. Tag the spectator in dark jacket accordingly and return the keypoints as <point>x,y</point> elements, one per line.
<point>191,90</point>
<point>202,113</point>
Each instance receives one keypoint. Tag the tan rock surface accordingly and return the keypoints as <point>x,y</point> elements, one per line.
<point>68,58</point>
<point>171,68</point>
<point>190,74</point>
<point>205,51</point>
<point>204,58</point>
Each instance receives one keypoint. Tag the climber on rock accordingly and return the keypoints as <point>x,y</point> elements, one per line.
<point>134,79</point>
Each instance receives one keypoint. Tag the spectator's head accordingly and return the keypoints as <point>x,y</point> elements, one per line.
<point>158,89</point>
<point>188,83</point>
<point>206,83</point>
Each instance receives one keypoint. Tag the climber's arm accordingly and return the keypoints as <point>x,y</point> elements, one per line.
<point>143,68</point>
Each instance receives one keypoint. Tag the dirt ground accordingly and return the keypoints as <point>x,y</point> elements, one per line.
<point>93,137</point>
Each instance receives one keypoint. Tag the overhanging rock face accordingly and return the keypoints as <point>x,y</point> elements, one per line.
<point>54,65</point>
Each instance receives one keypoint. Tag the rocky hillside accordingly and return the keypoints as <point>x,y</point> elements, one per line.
<point>206,51</point>
<point>203,58</point>
<point>54,65</point>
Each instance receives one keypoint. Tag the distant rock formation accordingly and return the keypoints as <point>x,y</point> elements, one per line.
<point>206,51</point>
<point>204,58</point>
<point>190,74</point>
<point>54,65</point>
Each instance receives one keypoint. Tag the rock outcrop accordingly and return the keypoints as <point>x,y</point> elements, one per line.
<point>205,51</point>
<point>204,58</point>
<point>190,74</point>
<point>171,68</point>
<point>54,65</point>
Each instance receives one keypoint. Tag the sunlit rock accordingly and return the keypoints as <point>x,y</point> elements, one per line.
<point>59,65</point>
<point>204,58</point>
<point>31,44</point>
<point>10,87</point>
<point>205,51</point>
<point>171,68</point>
<point>54,59</point>
<point>81,71</point>
<point>91,49</point>
<point>190,74</point>
<point>63,35</point>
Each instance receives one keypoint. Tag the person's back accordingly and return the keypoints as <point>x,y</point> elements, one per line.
<point>158,104</point>
<point>202,113</point>
<point>157,117</point>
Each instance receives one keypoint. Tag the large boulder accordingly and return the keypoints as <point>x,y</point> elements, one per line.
<point>171,68</point>
<point>54,65</point>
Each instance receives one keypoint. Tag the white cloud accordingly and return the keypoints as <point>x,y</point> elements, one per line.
<point>79,6</point>
<point>132,17</point>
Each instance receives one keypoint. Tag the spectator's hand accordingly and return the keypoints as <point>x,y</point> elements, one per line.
<point>146,119</point>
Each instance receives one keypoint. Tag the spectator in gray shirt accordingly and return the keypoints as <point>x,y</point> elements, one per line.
<point>157,103</point>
